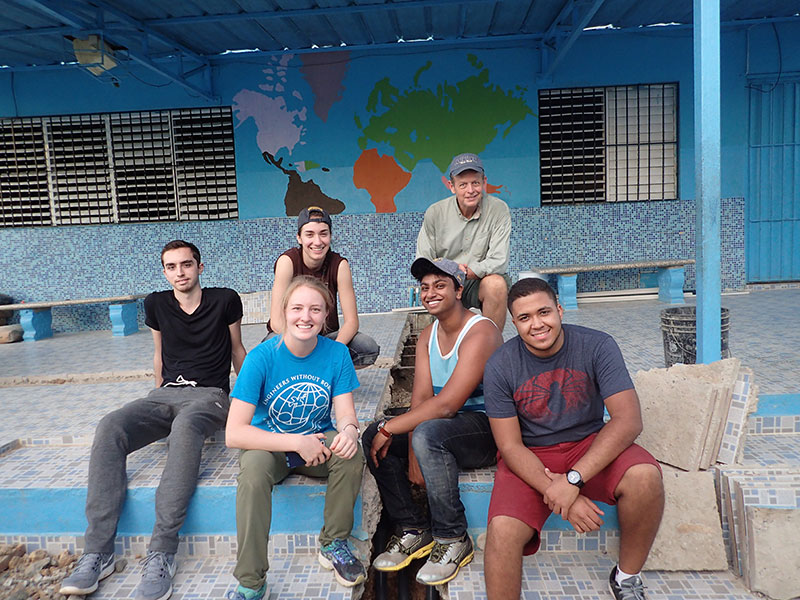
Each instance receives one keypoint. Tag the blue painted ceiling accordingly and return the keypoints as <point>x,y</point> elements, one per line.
<point>181,39</point>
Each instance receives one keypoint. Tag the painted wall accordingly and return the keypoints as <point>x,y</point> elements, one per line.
<point>51,263</point>
<point>322,118</point>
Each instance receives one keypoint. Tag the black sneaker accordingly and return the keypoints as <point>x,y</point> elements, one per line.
<point>631,588</point>
<point>91,568</point>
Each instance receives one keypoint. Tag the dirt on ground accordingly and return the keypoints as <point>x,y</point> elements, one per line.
<point>36,575</point>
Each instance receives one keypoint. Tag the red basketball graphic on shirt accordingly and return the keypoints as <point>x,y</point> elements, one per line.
<point>552,394</point>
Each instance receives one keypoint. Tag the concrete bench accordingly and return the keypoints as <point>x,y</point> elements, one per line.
<point>36,318</point>
<point>670,278</point>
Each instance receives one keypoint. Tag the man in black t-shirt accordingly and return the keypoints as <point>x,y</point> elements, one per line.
<point>545,391</point>
<point>196,336</point>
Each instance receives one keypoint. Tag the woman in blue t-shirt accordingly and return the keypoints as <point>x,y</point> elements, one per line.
<point>280,417</point>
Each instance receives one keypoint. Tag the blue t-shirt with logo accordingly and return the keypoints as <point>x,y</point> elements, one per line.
<point>292,394</point>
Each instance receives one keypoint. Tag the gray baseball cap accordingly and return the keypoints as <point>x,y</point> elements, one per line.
<point>423,266</point>
<point>465,162</point>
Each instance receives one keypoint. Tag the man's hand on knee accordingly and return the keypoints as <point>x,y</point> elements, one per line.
<point>584,515</point>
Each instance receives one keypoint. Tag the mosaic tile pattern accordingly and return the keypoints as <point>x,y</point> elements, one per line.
<point>190,546</point>
<point>578,571</point>
<point>748,492</point>
<point>725,479</point>
<point>774,360</point>
<point>374,384</point>
<point>83,352</point>
<point>72,353</point>
<point>73,411</point>
<point>758,424</point>
<point>771,450</point>
<point>240,254</point>
<point>584,576</point>
<point>737,417</point>
<point>297,577</point>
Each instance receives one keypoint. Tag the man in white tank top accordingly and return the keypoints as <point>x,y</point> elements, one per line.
<point>444,431</point>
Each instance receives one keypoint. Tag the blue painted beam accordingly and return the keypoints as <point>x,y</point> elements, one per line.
<point>349,9</point>
<point>563,48</point>
<point>707,176</point>
<point>56,10</point>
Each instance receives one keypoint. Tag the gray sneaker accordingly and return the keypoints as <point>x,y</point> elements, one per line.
<point>156,583</point>
<point>90,569</point>
<point>631,588</point>
<point>445,561</point>
<point>401,550</point>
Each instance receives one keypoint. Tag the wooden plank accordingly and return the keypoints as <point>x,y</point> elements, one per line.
<point>642,264</point>
<point>39,305</point>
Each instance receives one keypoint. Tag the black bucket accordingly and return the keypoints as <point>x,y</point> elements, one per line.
<point>679,328</point>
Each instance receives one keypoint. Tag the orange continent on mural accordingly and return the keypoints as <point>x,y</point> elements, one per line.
<point>382,177</point>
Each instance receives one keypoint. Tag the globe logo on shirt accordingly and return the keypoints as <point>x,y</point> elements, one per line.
<point>299,408</point>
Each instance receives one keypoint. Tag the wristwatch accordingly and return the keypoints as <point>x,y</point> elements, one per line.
<point>382,429</point>
<point>575,478</point>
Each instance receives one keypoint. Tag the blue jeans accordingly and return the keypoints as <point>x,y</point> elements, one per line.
<point>442,447</point>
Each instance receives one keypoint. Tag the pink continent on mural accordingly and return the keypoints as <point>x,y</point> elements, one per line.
<point>382,177</point>
<point>324,72</point>
<point>277,126</point>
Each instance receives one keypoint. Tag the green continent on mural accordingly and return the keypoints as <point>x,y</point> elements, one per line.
<point>437,124</point>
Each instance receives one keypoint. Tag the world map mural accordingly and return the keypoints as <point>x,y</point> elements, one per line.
<point>336,130</point>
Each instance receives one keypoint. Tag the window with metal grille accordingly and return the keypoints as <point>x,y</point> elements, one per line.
<point>172,165</point>
<point>608,144</point>
<point>24,192</point>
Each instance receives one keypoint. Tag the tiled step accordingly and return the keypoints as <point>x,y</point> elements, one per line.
<point>584,576</point>
<point>43,492</point>
<point>74,410</point>
<point>776,414</point>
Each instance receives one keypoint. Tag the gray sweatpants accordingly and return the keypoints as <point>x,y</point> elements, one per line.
<point>187,415</point>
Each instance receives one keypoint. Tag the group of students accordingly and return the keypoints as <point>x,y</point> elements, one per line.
<point>534,404</point>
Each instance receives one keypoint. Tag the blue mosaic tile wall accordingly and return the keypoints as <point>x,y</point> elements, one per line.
<point>57,263</point>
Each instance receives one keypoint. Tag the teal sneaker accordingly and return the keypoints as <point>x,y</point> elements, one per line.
<point>243,593</point>
<point>347,569</point>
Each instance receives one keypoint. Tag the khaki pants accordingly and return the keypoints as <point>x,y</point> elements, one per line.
<point>259,471</point>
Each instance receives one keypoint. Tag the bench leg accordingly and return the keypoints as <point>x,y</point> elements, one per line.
<point>36,323</point>
<point>123,318</point>
<point>568,291</point>
<point>670,285</point>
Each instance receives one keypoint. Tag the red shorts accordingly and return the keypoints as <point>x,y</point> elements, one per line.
<point>512,497</point>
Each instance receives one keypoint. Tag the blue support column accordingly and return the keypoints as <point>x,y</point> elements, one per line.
<point>707,176</point>
<point>123,318</point>
<point>36,323</point>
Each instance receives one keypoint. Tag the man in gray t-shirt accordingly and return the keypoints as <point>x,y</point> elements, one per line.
<point>545,391</point>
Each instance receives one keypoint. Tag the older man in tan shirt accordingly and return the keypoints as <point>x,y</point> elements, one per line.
<point>473,229</point>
